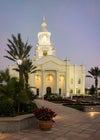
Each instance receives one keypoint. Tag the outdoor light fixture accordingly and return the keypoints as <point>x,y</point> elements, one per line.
<point>19,61</point>
<point>92,108</point>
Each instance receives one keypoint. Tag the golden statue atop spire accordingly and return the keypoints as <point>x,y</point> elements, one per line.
<point>43,18</point>
<point>43,25</point>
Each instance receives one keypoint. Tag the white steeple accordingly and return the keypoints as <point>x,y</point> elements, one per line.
<point>44,46</point>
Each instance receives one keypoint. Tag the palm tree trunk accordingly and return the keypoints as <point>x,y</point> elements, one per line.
<point>96,85</point>
<point>20,71</point>
<point>26,79</point>
<point>18,107</point>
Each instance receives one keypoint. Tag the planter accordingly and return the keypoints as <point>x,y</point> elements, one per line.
<point>45,125</point>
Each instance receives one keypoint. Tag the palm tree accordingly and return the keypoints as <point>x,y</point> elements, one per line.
<point>28,68</point>
<point>14,90</point>
<point>18,50</point>
<point>4,76</point>
<point>94,73</point>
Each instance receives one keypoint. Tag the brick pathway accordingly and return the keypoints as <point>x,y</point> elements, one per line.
<point>70,124</point>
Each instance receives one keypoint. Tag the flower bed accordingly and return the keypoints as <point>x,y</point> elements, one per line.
<point>61,101</point>
<point>85,107</point>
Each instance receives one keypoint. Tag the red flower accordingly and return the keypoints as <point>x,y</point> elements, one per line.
<point>44,114</point>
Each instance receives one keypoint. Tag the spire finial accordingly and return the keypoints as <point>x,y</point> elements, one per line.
<point>44,25</point>
<point>43,18</point>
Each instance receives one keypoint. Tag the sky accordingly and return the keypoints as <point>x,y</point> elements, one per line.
<point>74,27</point>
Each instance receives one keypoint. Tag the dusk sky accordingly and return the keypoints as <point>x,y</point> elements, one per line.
<point>74,27</point>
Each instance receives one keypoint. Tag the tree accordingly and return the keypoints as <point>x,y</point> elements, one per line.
<point>94,73</point>
<point>14,90</point>
<point>4,76</point>
<point>92,90</point>
<point>28,68</point>
<point>18,50</point>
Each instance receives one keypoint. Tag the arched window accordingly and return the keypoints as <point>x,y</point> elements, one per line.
<point>79,81</point>
<point>71,91</point>
<point>79,91</point>
<point>44,53</point>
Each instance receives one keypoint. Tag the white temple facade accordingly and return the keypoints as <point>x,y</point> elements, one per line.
<point>55,75</point>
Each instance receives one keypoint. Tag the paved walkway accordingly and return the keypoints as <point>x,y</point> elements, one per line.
<point>70,124</point>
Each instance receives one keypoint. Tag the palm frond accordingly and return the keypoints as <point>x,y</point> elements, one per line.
<point>10,58</point>
<point>89,76</point>
<point>16,69</point>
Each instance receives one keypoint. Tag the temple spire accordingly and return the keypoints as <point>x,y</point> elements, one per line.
<point>43,18</point>
<point>44,25</point>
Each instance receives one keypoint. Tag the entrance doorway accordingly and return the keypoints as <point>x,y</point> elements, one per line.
<point>59,91</point>
<point>37,91</point>
<point>48,90</point>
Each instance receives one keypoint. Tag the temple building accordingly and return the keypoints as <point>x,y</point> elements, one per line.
<point>55,75</point>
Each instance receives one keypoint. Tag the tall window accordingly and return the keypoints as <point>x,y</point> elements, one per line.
<point>79,81</point>
<point>71,91</point>
<point>79,91</point>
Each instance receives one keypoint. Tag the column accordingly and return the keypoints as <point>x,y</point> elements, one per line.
<point>57,82</point>
<point>83,83</point>
<point>75,80</point>
<point>67,82</point>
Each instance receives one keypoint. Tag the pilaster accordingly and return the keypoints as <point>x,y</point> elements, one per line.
<point>43,84</point>
<point>67,82</point>
<point>57,82</point>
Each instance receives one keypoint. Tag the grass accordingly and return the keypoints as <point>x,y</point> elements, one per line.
<point>78,107</point>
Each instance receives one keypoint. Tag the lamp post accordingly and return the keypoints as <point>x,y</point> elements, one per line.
<point>20,65</point>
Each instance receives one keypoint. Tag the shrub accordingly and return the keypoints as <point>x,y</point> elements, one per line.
<point>52,96</point>
<point>7,107</point>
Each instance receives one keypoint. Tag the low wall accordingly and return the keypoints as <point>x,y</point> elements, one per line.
<point>92,108</point>
<point>13,124</point>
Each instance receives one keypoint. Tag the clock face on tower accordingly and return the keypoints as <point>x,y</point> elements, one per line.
<point>44,38</point>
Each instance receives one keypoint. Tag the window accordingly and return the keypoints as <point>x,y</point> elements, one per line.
<point>44,53</point>
<point>71,91</point>
<point>79,91</point>
<point>79,81</point>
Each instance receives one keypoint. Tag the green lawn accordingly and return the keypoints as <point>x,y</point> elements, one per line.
<point>78,107</point>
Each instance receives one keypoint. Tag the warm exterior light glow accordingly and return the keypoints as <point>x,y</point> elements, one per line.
<point>37,77</point>
<point>92,114</point>
<point>19,61</point>
<point>91,108</point>
<point>61,78</point>
<point>49,77</point>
